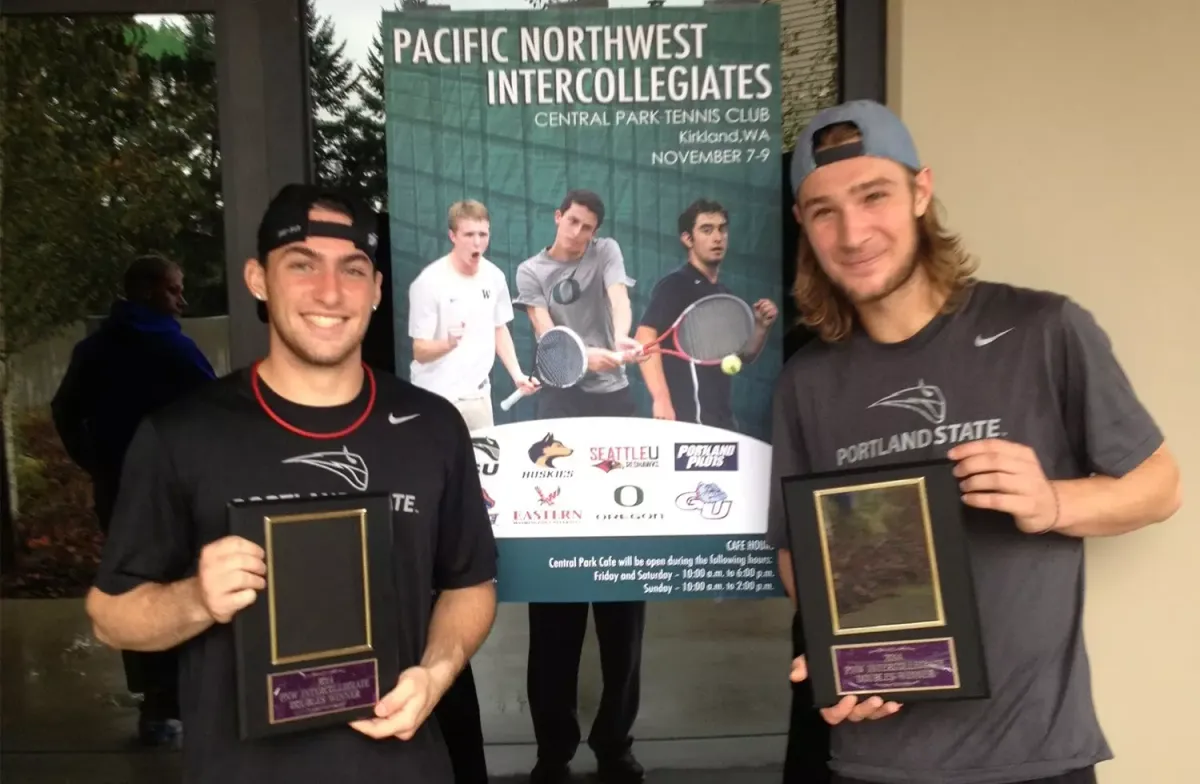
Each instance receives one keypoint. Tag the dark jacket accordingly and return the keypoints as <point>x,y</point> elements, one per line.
<point>137,361</point>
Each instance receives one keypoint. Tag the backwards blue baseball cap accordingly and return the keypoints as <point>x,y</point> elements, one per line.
<point>884,135</point>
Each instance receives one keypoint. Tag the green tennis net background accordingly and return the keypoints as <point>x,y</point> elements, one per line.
<point>445,143</point>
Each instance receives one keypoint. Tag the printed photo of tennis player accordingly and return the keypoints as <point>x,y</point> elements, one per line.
<point>575,292</point>
<point>689,391</point>
<point>459,309</point>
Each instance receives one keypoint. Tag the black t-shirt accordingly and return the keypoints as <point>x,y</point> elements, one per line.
<point>189,460</point>
<point>671,296</point>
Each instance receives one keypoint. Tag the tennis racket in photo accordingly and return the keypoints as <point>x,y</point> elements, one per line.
<point>561,360</point>
<point>707,331</point>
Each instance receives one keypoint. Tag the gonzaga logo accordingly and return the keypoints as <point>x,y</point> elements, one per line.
<point>928,403</point>
<point>706,457</point>
<point>707,499</point>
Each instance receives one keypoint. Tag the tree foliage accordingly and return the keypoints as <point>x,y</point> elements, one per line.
<point>109,150</point>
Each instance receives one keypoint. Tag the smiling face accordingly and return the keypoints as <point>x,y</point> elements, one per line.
<point>861,217</point>
<point>320,293</point>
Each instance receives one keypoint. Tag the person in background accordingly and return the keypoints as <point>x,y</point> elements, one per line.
<point>678,389</point>
<point>459,311</point>
<point>136,362</point>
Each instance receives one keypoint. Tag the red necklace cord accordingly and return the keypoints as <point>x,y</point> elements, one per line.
<point>287,425</point>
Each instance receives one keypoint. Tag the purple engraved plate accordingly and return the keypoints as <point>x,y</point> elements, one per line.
<point>896,666</point>
<point>302,694</point>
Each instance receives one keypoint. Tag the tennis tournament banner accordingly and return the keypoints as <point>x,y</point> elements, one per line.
<point>629,163</point>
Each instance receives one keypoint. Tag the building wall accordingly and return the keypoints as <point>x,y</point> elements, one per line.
<point>1061,139</point>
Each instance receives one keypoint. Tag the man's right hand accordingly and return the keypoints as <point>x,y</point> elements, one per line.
<point>231,574</point>
<point>849,709</point>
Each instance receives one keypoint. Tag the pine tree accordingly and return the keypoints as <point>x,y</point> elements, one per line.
<point>333,80</point>
<point>366,131</point>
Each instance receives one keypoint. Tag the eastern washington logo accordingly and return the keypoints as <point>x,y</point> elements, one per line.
<point>706,457</point>
<point>487,454</point>
<point>546,454</point>
<point>708,499</point>
<point>547,497</point>
<point>610,458</point>
<point>928,402</point>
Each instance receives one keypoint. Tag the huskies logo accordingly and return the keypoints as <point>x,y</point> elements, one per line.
<point>344,463</point>
<point>545,454</point>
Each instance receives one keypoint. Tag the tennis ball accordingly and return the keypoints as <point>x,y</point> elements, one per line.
<point>731,364</point>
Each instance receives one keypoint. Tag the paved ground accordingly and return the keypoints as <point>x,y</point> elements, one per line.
<point>714,697</point>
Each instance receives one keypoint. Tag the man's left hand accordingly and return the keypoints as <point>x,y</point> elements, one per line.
<point>1006,477</point>
<point>404,709</point>
<point>765,313</point>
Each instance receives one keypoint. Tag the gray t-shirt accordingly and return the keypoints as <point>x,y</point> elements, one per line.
<point>1028,366</point>
<point>576,295</point>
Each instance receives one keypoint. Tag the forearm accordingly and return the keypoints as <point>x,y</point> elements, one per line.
<point>151,617</point>
<point>755,346</point>
<point>430,350</point>
<point>1104,506</point>
<point>652,368</point>
<point>507,352</point>
<point>622,316</point>
<point>540,319</point>
<point>656,379</point>
<point>461,621</point>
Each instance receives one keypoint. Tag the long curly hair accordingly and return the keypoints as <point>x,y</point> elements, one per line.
<point>823,307</point>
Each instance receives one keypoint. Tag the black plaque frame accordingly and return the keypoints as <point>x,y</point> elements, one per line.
<point>938,657</point>
<point>331,685</point>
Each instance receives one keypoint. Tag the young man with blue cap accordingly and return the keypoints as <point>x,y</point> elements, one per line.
<point>917,359</point>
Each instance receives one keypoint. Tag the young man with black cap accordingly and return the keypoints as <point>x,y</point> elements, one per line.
<point>678,389</point>
<point>1020,389</point>
<point>309,419</point>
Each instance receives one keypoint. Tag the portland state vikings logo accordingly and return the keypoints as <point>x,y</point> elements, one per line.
<point>923,399</point>
<point>344,463</point>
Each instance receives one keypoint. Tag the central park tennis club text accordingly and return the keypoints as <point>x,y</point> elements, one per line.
<point>706,457</point>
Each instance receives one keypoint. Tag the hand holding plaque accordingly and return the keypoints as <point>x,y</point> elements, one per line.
<point>884,587</point>
<point>320,644</point>
<point>231,573</point>
<point>849,708</point>
<point>404,709</point>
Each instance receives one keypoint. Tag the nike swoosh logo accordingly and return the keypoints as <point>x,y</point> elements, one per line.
<point>395,420</point>
<point>982,341</point>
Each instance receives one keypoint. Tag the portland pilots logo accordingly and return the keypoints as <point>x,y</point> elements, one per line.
<point>925,400</point>
<point>344,463</point>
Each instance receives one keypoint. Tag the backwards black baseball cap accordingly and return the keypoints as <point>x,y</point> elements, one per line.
<point>286,220</point>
